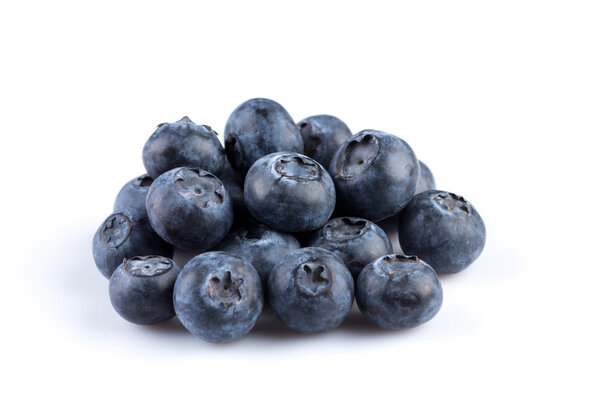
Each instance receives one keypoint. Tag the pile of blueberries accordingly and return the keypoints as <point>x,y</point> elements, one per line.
<point>282,215</point>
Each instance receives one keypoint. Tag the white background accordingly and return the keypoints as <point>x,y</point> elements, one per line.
<point>500,98</point>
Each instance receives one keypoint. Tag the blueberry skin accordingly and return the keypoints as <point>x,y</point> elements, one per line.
<point>355,240</point>
<point>375,175</point>
<point>398,292</point>
<point>311,290</point>
<point>234,183</point>
<point>289,192</point>
<point>183,144</point>
<point>426,180</point>
<point>189,208</point>
<point>124,234</point>
<point>133,194</point>
<point>262,246</point>
<point>141,289</point>
<point>218,296</point>
<point>258,127</point>
<point>442,229</point>
<point>322,136</point>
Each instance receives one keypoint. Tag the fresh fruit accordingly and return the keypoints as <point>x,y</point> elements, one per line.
<point>398,292</point>
<point>311,290</point>
<point>289,192</point>
<point>355,240</point>
<point>183,144</point>
<point>124,234</point>
<point>189,208</point>
<point>443,229</point>
<point>375,175</point>
<point>322,136</point>
<point>141,289</point>
<point>218,296</point>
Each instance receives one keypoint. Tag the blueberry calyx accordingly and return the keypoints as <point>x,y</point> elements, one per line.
<point>451,202</point>
<point>147,265</point>
<point>357,156</point>
<point>201,188</point>
<point>312,279</point>
<point>298,168</point>
<point>345,228</point>
<point>115,230</point>
<point>225,289</point>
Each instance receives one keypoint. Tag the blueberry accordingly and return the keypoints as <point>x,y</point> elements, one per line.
<point>322,136</point>
<point>189,208</point>
<point>398,292</point>
<point>289,192</point>
<point>125,234</point>
<point>443,229</point>
<point>141,289</point>
<point>375,175</point>
<point>218,296</point>
<point>234,183</point>
<point>183,144</point>
<point>262,246</point>
<point>426,180</point>
<point>258,127</point>
<point>355,240</point>
<point>311,290</point>
<point>236,193</point>
<point>133,194</point>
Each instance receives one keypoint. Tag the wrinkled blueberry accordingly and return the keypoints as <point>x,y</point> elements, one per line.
<point>355,240</point>
<point>426,181</point>
<point>322,136</point>
<point>218,296</point>
<point>375,175</point>
<point>258,127</point>
<point>183,144</point>
<point>189,208</point>
<point>398,292</point>
<point>311,290</point>
<point>124,234</point>
<point>289,192</point>
<point>133,194</point>
<point>442,229</point>
<point>262,246</point>
<point>141,289</point>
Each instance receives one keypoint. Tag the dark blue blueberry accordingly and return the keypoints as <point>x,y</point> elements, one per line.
<point>375,175</point>
<point>258,127</point>
<point>234,183</point>
<point>289,192</point>
<point>311,290</point>
<point>236,193</point>
<point>133,194</point>
<point>124,234</point>
<point>183,144</point>
<point>218,296</point>
<point>189,208</point>
<point>264,247</point>
<point>398,292</point>
<point>322,136</point>
<point>426,181</point>
<point>442,229</point>
<point>355,240</point>
<point>141,289</point>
